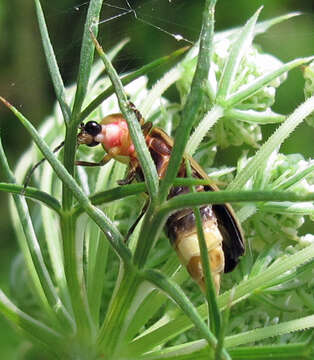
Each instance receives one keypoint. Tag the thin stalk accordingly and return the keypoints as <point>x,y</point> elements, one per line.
<point>133,189</point>
<point>237,53</point>
<point>72,263</point>
<point>223,328</point>
<point>86,56</point>
<point>299,351</point>
<point>214,319</point>
<point>177,295</point>
<point>114,325</point>
<point>147,237</point>
<point>194,99</point>
<point>52,64</point>
<point>270,331</point>
<point>223,196</point>
<point>31,326</point>
<point>263,80</point>
<point>33,194</point>
<point>152,222</point>
<point>203,127</point>
<point>295,178</point>
<point>147,164</point>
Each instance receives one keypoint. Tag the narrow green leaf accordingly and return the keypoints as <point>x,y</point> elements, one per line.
<point>52,64</point>
<point>263,26</point>
<point>239,48</point>
<point>33,194</point>
<point>133,189</point>
<point>123,306</point>
<point>255,117</point>
<point>194,99</point>
<point>98,66</point>
<point>224,196</point>
<point>86,57</point>
<point>159,88</point>
<point>34,328</point>
<point>98,248</point>
<point>296,177</point>
<point>203,127</point>
<point>256,85</point>
<point>177,295</point>
<point>299,351</point>
<point>276,139</point>
<point>145,159</point>
<point>214,319</point>
<point>288,208</point>
<point>193,350</point>
<point>270,331</point>
<point>260,28</point>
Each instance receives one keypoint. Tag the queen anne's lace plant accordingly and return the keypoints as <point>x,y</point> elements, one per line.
<point>83,293</point>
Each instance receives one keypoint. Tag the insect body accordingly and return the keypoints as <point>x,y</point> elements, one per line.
<point>222,232</point>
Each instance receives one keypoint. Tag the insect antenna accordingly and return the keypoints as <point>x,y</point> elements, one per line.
<point>31,170</point>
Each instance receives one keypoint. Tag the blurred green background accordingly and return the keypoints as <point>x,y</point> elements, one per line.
<point>24,79</point>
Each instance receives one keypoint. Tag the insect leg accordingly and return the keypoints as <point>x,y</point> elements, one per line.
<point>31,171</point>
<point>129,178</point>
<point>104,161</point>
<point>146,128</point>
<point>137,113</point>
<point>133,226</point>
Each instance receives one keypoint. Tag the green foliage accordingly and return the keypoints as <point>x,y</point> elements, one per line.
<point>81,292</point>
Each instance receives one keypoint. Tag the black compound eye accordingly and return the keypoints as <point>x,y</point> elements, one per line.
<point>92,128</point>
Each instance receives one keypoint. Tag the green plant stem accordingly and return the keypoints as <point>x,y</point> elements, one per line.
<point>86,56</point>
<point>214,318</point>
<point>126,190</point>
<point>194,99</point>
<point>299,351</point>
<point>116,322</point>
<point>203,127</point>
<point>295,178</point>
<point>33,328</point>
<point>52,64</point>
<point>270,331</point>
<point>223,196</point>
<point>177,295</point>
<point>33,194</point>
<point>257,84</point>
<point>152,223</point>
<point>144,157</point>
<point>72,262</point>
<point>237,53</point>
<point>223,328</point>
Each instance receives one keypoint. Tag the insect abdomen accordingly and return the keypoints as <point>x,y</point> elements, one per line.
<point>182,232</point>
